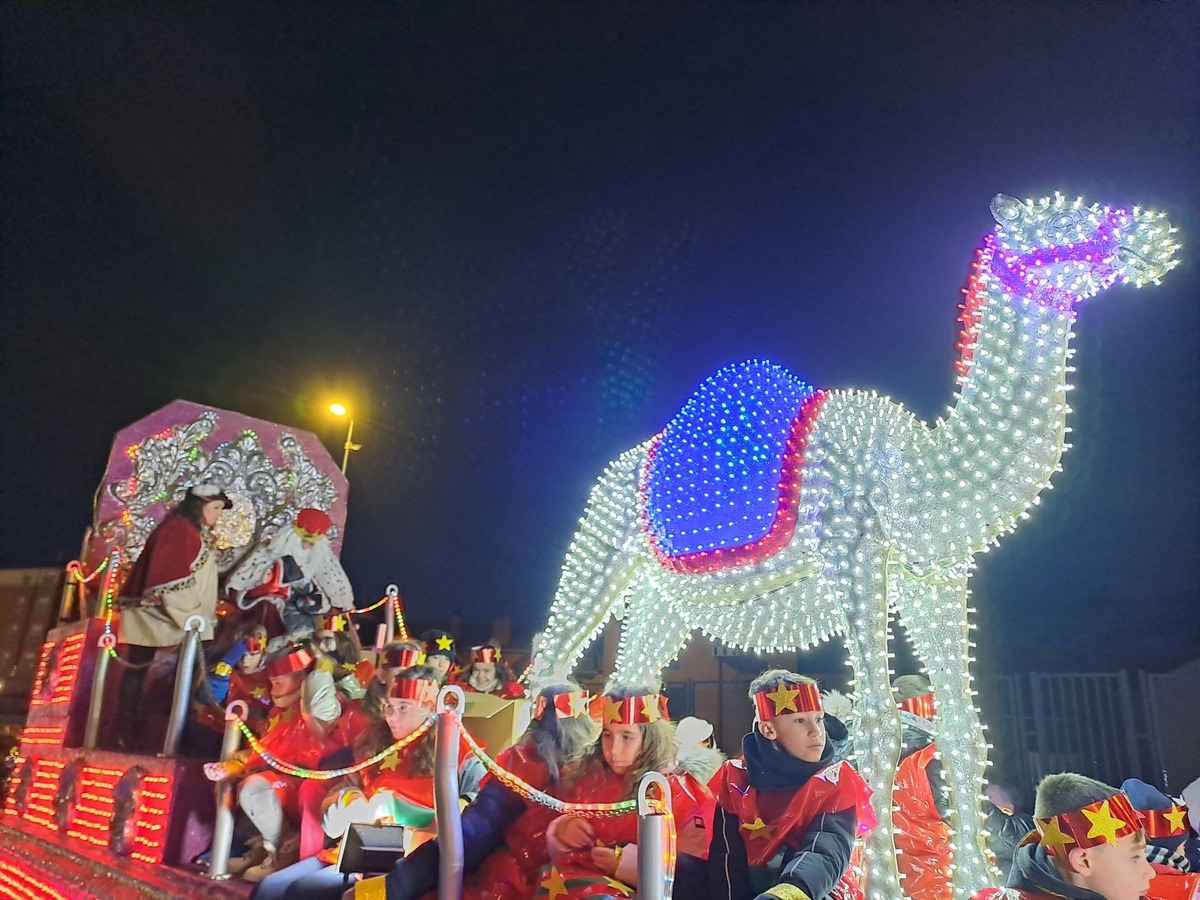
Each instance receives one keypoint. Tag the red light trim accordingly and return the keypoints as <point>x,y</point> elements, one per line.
<point>39,806</point>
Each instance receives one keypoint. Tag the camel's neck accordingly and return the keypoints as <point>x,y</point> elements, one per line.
<point>979,469</point>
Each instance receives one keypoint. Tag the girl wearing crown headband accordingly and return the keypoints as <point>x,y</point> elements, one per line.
<point>398,789</point>
<point>598,857</point>
<point>300,726</point>
<point>504,835</point>
<point>489,674</point>
<point>787,814</point>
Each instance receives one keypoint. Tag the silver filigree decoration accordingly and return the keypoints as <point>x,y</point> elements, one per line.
<point>266,496</point>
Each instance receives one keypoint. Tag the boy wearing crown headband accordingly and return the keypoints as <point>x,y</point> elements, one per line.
<point>304,710</point>
<point>398,789</point>
<point>1089,844</point>
<point>489,674</point>
<point>787,813</point>
<point>297,572</point>
<point>922,835</point>
<point>597,857</point>
<point>1167,832</point>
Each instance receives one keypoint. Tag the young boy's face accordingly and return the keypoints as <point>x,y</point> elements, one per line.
<point>801,735</point>
<point>1115,871</point>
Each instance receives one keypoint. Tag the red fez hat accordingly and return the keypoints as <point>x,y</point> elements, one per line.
<point>312,523</point>
<point>298,659</point>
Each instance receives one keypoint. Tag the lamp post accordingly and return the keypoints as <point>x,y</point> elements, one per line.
<point>339,410</point>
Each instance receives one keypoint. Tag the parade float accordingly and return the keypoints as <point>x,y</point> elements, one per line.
<point>768,514</point>
<point>772,515</point>
<point>82,821</point>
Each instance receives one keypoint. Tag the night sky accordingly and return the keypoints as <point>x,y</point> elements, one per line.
<point>514,237</point>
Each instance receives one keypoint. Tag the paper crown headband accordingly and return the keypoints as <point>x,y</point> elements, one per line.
<point>296,660</point>
<point>1165,823</point>
<point>331,622</point>
<point>254,644</point>
<point>919,706</point>
<point>567,705</point>
<point>1102,822</point>
<point>641,710</point>
<point>787,698</point>
<point>403,658</point>
<point>488,653</point>
<point>419,690</point>
<point>312,523</point>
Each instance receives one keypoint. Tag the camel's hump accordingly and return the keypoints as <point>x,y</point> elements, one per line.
<point>722,480</point>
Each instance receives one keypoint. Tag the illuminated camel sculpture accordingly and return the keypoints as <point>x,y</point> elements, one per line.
<point>772,516</point>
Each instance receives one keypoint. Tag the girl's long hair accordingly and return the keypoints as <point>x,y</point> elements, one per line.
<point>659,750</point>
<point>560,743</point>
<point>378,735</point>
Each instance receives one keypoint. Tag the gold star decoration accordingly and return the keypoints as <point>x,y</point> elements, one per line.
<point>445,642</point>
<point>623,889</point>
<point>273,721</point>
<point>258,693</point>
<point>1053,836</point>
<point>759,829</point>
<point>612,711</point>
<point>1175,816</point>
<point>554,885</point>
<point>650,708</point>
<point>390,763</point>
<point>784,698</point>
<point>579,705</point>
<point>1104,823</point>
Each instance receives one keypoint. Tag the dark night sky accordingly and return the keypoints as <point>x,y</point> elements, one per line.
<point>517,235</point>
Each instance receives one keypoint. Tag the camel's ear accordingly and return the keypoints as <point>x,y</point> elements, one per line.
<point>1005,209</point>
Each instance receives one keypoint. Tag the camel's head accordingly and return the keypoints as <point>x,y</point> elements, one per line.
<point>1059,251</point>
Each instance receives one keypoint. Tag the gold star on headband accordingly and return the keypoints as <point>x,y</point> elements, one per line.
<point>612,711</point>
<point>445,642</point>
<point>554,884</point>
<point>650,708</point>
<point>1175,815</point>
<point>784,698</point>
<point>759,829</point>
<point>1052,836</point>
<point>1104,823</point>
<point>579,703</point>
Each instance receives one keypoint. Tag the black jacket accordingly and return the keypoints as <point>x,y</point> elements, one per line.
<point>828,840</point>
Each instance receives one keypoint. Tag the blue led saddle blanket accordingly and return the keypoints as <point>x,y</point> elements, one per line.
<point>722,481</point>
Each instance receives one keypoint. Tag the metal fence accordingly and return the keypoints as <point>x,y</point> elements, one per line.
<point>1110,725</point>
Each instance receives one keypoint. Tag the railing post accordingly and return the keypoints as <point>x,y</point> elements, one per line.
<point>218,867</point>
<point>393,609</point>
<point>655,861</point>
<point>91,732</point>
<point>192,629</point>
<point>446,794</point>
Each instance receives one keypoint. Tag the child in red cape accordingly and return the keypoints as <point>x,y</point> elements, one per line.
<point>597,857</point>
<point>788,814</point>
<point>489,674</point>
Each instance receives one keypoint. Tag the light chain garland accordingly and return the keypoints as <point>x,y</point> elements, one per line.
<point>328,774</point>
<point>75,568</point>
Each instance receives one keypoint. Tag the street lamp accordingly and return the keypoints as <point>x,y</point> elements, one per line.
<point>339,410</point>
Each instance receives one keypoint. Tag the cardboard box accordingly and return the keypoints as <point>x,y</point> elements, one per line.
<point>496,721</point>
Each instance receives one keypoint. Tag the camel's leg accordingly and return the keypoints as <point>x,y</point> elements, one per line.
<point>595,573</point>
<point>652,635</point>
<point>877,738</point>
<point>939,633</point>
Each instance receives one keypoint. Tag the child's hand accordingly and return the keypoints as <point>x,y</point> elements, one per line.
<point>574,833</point>
<point>605,860</point>
<point>221,771</point>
